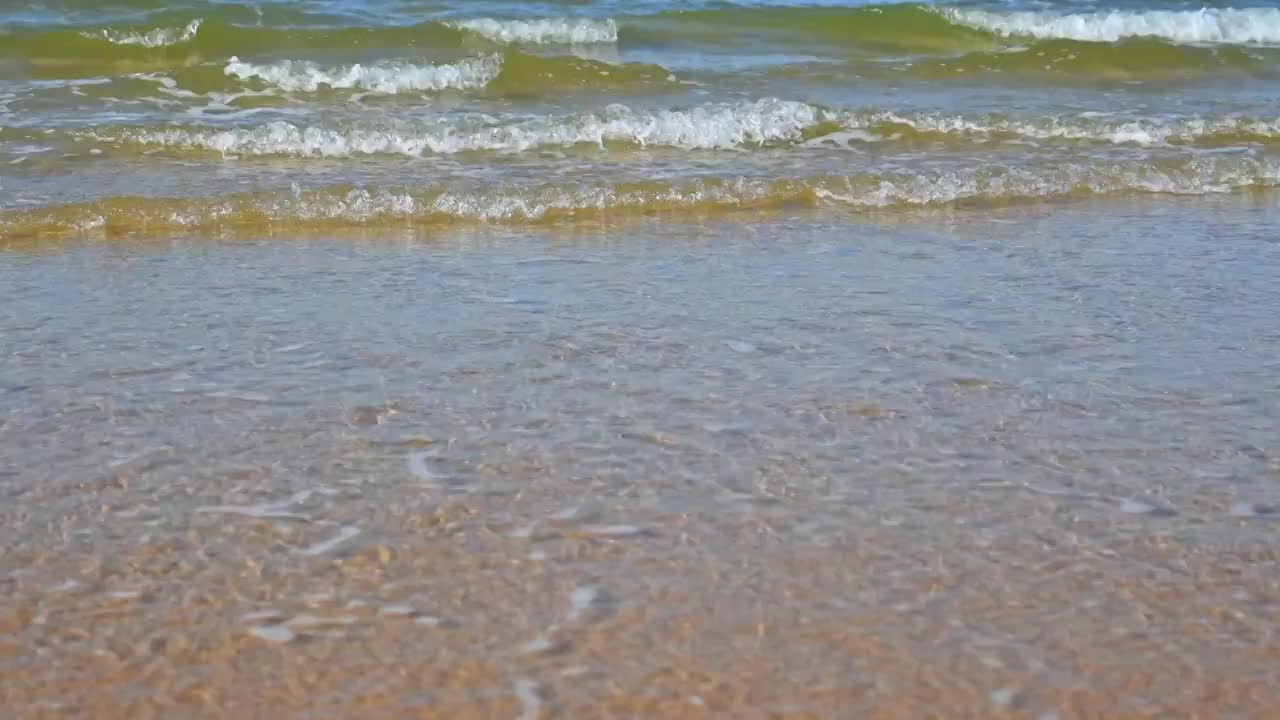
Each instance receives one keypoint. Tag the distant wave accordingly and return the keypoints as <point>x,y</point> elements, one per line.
<point>1183,131</point>
<point>940,32</point>
<point>159,37</point>
<point>509,72</point>
<point>550,31</point>
<point>1210,25</point>
<point>388,77</point>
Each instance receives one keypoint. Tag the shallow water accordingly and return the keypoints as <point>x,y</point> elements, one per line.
<point>1019,462</point>
<point>599,359</point>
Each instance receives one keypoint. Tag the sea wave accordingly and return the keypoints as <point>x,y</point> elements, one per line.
<point>506,73</point>
<point>545,31</point>
<point>713,126</point>
<point>873,191</point>
<point>1123,131</point>
<point>1209,25</point>
<point>1131,59</point>
<point>159,37</point>
<point>388,77</point>
<point>86,51</point>
<point>862,32</point>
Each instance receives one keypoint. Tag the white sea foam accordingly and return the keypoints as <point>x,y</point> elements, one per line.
<point>1195,175</point>
<point>387,77</point>
<point>544,31</point>
<point>1209,25</point>
<point>1198,176</point>
<point>1141,131</point>
<point>159,37</point>
<point>710,127</point>
<point>717,126</point>
<point>1203,175</point>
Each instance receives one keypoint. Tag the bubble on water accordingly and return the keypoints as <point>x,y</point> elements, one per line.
<point>540,644</point>
<point>278,510</point>
<point>147,456</point>
<point>1003,697</point>
<point>1247,509</point>
<point>307,621</point>
<point>614,531</point>
<point>272,633</point>
<point>530,703</point>
<point>241,396</point>
<point>343,535</point>
<point>417,463</point>
<point>266,512</point>
<point>1145,506</point>
<point>495,299</point>
<point>261,615</point>
<point>568,513</point>
<point>581,599</point>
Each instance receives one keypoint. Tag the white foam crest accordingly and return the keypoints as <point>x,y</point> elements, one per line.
<point>718,126</point>
<point>1209,25</point>
<point>526,205</point>
<point>1199,176</point>
<point>386,77</point>
<point>159,37</point>
<point>357,205</point>
<point>1137,131</point>
<point>544,31</point>
<point>1203,175</point>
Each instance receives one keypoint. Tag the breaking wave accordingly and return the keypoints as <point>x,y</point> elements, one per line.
<point>981,185</point>
<point>388,77</point>
<point>508,73</point>
<point>1183,131</point>
<point>1209,25</point>
<point>865,31</point>
<point>549,31</point>
<point>716,126</point>
<point>159,37</point>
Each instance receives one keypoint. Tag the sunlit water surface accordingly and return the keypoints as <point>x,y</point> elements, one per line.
<point>1015,463</point>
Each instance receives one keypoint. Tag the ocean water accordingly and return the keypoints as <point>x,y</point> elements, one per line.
<point>653,359</point>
